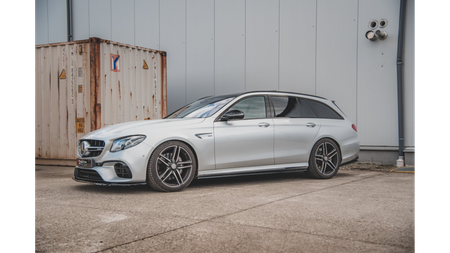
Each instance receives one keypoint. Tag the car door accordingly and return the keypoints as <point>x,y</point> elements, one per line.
<point>246,142</point>
<point>295,126</point>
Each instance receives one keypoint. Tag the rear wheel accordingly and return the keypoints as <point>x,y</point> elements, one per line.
<point>324,160</point>
<point>172,167</point>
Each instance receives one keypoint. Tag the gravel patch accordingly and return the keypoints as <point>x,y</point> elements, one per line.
<point>369,166</point>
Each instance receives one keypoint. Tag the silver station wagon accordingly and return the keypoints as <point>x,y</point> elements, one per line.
<point>245,133</point>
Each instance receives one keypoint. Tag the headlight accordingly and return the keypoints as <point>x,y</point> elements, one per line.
<point>127,142</point>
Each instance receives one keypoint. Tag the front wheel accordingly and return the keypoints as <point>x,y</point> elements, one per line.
<point>324,160</point>
<point>172,167</point>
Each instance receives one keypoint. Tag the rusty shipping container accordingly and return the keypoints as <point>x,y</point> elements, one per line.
<point>84,85</point>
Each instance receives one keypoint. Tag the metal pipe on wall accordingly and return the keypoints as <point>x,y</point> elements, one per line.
<point>69,20</point>
<point>401,140</point>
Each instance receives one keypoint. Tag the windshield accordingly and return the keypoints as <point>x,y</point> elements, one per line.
<point>201,108</point>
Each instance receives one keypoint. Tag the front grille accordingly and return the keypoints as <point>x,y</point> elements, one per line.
<point>95,148</point>
<point>88,175</point>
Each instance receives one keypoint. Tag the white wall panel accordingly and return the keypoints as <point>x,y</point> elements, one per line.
<point>377,75</point>
<point>100,19</point>
<point>122,18</point>
<point>173,41</point>
<point>229,46</point>
<point>262,17</point>
<point>80,18</point>
<point>41,22</point>
<point>337,53</point>
<point>200,49</point>
<point>408,82</point>
<point>57,21</point>
<point>298,46</point>
<point>147,23</point>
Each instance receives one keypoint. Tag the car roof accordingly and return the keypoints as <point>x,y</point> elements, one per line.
<point>276,91</point>
<point>263,91</point>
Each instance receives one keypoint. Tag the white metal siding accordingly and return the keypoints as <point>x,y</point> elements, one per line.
<point>173,41</point>
<point>377,72</point>
<point>408,81</point>
<point>298,46</point>
<point>262,27</point>
<point>200,49</point>
<point>100,19</point>
<point>147,23</point>
<point>336,53</point>
<point>122,21</point>
<point>229,46</point>
<point>225,46</point>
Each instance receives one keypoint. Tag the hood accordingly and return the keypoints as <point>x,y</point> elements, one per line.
<point>139,127</point>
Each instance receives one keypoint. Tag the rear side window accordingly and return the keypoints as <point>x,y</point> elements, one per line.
<point>285,107</point>
<point>305,110</point>
<point>291,107</point>
<point>322,110</point>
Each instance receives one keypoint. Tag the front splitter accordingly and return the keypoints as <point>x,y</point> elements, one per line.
<point>107,184</point>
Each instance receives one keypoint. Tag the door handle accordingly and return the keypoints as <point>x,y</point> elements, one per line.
<point>310,124</point>
<point>263,124</point>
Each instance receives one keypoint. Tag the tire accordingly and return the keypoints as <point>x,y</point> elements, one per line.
<point>324,159</point>
<point>172,167</point>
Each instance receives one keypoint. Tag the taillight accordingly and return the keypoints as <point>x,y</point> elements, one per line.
<point>354,127</point>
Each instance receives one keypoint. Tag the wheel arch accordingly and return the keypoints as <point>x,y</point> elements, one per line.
<point>169,140</point>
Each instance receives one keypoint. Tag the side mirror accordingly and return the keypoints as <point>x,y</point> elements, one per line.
<point>232,115</point>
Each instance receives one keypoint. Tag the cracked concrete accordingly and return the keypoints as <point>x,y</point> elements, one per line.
<point>356,211</point>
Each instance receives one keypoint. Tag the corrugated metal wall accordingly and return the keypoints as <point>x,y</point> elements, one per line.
<point>59,70</point>
<point>135,93</point>
<point>78,91</point>
<point>225,46</point>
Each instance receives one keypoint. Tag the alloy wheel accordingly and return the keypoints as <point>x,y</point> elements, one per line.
<point>326,158</point>
<point>174,166</point>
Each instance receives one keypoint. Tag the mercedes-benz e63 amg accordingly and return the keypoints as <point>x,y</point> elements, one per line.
<point>246,133</point>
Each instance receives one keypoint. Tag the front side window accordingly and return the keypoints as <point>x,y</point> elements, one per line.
<point>252,107</point>
<point>201,108</point>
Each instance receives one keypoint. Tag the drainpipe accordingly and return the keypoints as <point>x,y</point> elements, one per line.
<point>69,20</point>
<point>401,140</point>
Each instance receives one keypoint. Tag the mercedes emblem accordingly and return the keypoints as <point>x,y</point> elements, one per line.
<point>84,145</point>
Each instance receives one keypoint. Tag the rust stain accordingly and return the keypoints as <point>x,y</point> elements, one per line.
<point>120,95</point>
<point>163,85</point>
<point>95,83</point>
<point>153,99</point>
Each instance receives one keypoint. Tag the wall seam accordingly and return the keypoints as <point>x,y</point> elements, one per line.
<point>315,56</point>
<point>245,46</point>
<point>279,38</point>
<point>357,63</point>
<point>185,52</point>
<point>48,25</point>
<point>89,19</point>
<point>214,47</point>
<point>110,18</point>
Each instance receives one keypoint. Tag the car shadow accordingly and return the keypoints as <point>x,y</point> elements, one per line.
<point>231,181</point>
<point>101,189</point>
<point>249,179</point>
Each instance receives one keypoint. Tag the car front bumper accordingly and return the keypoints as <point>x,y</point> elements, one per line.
<point>101,170</point>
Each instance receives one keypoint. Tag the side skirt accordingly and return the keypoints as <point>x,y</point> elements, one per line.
<point>268,169</point>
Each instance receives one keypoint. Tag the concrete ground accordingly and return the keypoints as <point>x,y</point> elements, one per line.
<point>356,211</point>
